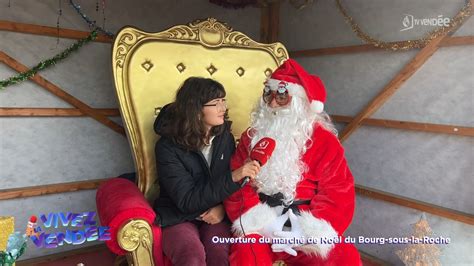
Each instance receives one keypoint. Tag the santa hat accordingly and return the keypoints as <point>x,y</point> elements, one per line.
<point>300,83</point>
<point>32,221</point>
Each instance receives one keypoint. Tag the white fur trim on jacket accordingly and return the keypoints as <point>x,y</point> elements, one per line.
<point>254,220</point>
<point>317,229</point>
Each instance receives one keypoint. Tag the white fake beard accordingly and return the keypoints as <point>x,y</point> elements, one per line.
<point>291,127</point>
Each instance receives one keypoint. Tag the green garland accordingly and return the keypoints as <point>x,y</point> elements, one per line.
<point>7,259</point>
<point>47,63</point>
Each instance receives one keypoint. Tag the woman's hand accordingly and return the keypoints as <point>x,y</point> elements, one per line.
<point>214,215</point>
<point>250,169</point>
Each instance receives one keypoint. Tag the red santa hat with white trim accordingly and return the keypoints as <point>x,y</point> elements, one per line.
<point>300,83</point>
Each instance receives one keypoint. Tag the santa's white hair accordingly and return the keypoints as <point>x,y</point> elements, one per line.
<point>291,127</point>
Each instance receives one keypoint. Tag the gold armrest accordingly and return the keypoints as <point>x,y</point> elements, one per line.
<point>136,237</point>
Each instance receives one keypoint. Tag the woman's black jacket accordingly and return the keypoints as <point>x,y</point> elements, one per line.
<point>188,185</point>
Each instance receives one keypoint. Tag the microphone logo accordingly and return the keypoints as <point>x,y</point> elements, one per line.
<point>263,144</point>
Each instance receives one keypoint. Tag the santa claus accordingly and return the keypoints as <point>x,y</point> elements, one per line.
<point>302,200</point>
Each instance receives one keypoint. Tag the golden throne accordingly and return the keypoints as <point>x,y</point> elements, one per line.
<point>148,68</point>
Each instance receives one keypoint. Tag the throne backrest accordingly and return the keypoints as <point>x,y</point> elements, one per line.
<point>148,68</point>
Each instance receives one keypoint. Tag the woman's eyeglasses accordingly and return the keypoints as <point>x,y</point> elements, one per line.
<point>281,94</point>
<point>221,105</point>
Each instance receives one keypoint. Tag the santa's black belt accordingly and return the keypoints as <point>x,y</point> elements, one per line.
<point>277,200</point>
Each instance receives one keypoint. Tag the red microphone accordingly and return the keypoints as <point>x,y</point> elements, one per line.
<point>261,153</point>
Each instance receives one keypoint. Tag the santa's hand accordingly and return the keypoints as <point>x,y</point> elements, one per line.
<point>293,238</point>
<point>275,226</point>
<point>296,231</point>
<point>284,248</point>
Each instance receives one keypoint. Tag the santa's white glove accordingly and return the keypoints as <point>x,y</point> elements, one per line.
<point>275,226</point>
<point>295,235</point>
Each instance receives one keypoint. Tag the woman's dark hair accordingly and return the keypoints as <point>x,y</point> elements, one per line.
<point>185,126</point>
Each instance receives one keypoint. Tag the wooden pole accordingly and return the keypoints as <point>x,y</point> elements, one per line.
<point>14,64</point>
<point>416,204</point>
<point>49,31</point>
<point>52,112</point>
<point>449,41</point>
<point>425,127</point>
<point>24,192</point>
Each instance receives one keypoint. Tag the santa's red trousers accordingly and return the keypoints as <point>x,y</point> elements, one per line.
<point>260,254</point>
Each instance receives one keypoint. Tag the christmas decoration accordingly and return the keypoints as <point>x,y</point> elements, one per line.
<point>47,63</point>
<point>60,13</point>
<point>92,24</point>
<point>420,253</point>
<point>57,58</point>
<point>12,244</point>
<point>298,4</point>
<point>463,14</point>
<point>7,226</point>
<point>30,228</point>
<point>15,248</point>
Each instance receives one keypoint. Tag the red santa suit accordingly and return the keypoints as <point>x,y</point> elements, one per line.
<point>324,202</point>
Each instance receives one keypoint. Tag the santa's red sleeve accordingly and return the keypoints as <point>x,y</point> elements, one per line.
<point>332,207</point>
<point>247,214</point>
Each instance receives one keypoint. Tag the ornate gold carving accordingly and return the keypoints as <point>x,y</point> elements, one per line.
<point>180,32</point>
<point>133,234</point>
<point>209,32</point>
<point>127,39</point>
<point>136,236</point>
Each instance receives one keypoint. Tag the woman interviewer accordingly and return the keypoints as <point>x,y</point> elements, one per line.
<point>193,166</point>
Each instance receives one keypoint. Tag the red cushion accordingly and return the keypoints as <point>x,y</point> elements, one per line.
<point>119,200</point>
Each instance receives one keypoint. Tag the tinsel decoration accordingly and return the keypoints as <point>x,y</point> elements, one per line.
<point>92,24</point>
<point>420,254</point>
<point>57,58</point>
<point>47,63</point>
<point>103,14</point>
<point>463,14</point>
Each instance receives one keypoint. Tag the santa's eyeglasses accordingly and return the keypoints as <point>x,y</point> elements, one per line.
<point>281,95</point>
